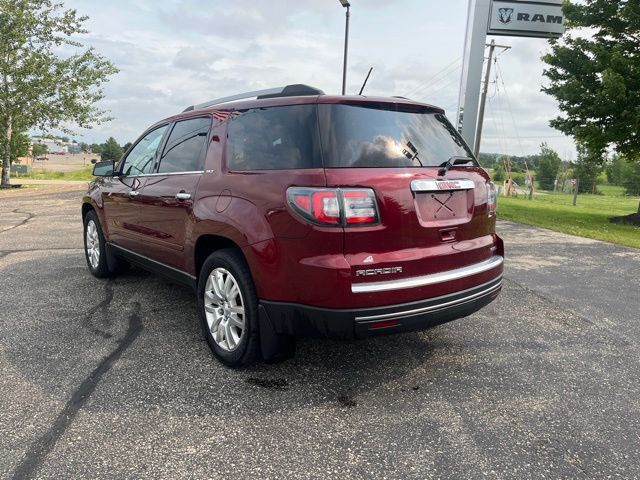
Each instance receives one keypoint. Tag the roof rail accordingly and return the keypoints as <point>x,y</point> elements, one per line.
<point>297,89</point>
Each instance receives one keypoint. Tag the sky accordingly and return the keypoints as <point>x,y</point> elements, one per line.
<point>175,53</point>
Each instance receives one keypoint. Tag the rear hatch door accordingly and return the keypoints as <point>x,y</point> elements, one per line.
<point>430,220</point>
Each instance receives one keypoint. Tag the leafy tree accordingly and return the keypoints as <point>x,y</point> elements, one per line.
<point>95,148</point>
<point>111,150</point>
<point>549,167</point>
<point>595,77</point>
<point>126,146</point>
<point>20,143</point>
<point>617,170</point>
<point>39,89</point>
<point>587,168</point>
<point>631,181</point>
<point>39,149</point>
<point>498,173</point>
<point>84,147</point>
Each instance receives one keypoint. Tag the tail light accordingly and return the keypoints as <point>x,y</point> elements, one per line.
<point>335,206</point>
<point>492,199</point>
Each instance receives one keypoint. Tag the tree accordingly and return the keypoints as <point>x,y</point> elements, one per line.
<point>20,143</point>
<point>631,181</point>
<point>126,146</point>
<point>39,149</point>
<point>587,168</point>
<point>84,147</point>
<point>595,78</point>
<point>549,167</point>
<point>617,169</point>
<point>498,173</point>
<point>38,89</point>
<point>111,150</point>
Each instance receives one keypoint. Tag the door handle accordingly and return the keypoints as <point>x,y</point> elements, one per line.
<point>134,193</point>
<point>183,196</point>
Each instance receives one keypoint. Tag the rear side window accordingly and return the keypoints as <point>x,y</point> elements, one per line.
<point>274,138</point>
<point>185,148</point>
<point>363,136</point>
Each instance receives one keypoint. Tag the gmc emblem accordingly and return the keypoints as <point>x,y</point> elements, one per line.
<point>450,185</point>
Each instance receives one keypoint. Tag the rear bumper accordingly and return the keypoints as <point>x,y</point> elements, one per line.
<point>295,319</point>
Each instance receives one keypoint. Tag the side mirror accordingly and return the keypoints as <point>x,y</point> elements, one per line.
<point>103,169</point>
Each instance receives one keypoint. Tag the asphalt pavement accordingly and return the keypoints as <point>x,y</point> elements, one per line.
<point>112,379</point>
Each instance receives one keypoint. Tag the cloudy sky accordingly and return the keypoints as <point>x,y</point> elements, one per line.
<point>175,53</point>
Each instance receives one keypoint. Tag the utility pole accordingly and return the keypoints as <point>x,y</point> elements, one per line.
<point>483,101</point>
<point>347,5</point>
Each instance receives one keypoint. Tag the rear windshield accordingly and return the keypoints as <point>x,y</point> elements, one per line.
<point>359,136</point>
<point>313,136</point>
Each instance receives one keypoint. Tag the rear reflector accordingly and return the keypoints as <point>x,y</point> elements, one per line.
<point>383,324</point>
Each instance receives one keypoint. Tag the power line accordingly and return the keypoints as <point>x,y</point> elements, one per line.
<point>434,77</point>
<point>433,93</point>
<point>506,94</point>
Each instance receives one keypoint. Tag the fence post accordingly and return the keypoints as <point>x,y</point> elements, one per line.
<point>575,191</point>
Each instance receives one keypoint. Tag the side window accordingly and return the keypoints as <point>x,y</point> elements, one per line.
<point>141,158</point>
<point>274,138</point>
<point>185,147</point>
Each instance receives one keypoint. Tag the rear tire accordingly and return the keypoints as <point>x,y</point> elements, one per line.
<point>228,308</point>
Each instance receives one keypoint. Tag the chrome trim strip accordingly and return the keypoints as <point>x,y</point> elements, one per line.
<point>431,279</point>
<point>195,172</point>
<point>421,185</point>
<point>439,306</point>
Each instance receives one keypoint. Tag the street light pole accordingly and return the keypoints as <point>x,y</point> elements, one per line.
<point>346,4</point>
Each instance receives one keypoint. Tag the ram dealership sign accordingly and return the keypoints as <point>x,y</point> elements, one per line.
<point>526,18</point>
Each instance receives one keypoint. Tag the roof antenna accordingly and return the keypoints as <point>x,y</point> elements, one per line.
<point>365,81</point>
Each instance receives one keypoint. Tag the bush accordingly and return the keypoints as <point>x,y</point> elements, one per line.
<point>94,160</point>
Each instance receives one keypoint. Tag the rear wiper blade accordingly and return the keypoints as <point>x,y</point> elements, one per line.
<point>444,167</point>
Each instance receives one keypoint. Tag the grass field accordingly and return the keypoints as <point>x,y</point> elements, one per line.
<point>82,174</point>
<point>589,218</point>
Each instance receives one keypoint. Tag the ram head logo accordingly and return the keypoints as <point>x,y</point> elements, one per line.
<point>505,14</point>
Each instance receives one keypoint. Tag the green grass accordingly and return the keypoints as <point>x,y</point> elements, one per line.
<point>589,218</point>
<point>82,174</point>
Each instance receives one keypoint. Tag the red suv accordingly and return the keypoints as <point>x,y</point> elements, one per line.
<point>292,212</point>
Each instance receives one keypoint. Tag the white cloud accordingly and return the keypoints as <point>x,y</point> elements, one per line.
<point>183,52</point>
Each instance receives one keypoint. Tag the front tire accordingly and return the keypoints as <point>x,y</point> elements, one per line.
<point>95,250</point>
<point>228,308</point>
<point>94,246</point>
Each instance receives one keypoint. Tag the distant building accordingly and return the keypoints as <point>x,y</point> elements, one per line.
<point>53,146</point>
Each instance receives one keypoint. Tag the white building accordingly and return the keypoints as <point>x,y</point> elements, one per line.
<point>53,146</point>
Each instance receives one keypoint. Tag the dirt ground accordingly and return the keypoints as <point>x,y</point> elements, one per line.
<point>62,163</point>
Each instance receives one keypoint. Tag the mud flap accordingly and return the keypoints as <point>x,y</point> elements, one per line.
<point>274,347</point>
<point>112,261</point>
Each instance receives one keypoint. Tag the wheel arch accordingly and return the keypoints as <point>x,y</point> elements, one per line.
<point>206,244</point>
<point>86,208</point>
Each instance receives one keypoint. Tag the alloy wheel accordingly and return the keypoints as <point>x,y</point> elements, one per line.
<point>93,244</point>
<point>224,309</point>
